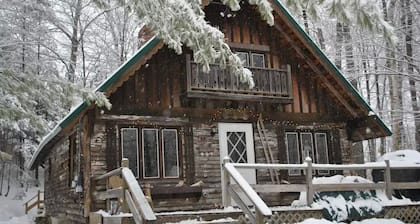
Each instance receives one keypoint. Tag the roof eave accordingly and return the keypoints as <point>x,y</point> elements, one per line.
<point>330,65</point>
<point>84,105</point>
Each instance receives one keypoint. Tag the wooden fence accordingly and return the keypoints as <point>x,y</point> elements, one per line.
<point>35,201</point>
<point>231,190</point>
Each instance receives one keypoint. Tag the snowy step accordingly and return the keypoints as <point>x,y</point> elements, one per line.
<point>220,216</point>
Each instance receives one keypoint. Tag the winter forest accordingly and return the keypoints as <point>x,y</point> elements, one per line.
<point>54,52</point>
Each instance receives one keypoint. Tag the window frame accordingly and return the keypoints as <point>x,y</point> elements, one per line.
<point>315,154</point>
<point>250,59</point>
<point>137,146</point>
<point>252,54</point>
<point>160,151</point>
<point>163,153</point>
<point>322,172</point>
<point>157,153</point>
<point>298,172</point>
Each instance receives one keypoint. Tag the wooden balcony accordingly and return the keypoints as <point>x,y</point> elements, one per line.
<point>270,84</point>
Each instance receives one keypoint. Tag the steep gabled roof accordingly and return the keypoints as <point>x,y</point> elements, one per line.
<point>120,75</point>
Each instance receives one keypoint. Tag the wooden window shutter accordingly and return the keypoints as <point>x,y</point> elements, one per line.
<point>112,152</point>
<point>189,155</point>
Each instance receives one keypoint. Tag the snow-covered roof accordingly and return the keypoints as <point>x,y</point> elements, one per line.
<point>153,42</point>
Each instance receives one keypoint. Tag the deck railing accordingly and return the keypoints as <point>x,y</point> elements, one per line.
<point>220,83</point>
<point>128,193</point>
<point>36,201</point>
<point>230,190</point>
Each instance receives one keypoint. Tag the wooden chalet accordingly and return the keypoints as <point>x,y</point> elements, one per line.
<point>175,123</point>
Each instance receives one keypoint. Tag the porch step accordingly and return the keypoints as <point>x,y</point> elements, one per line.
<point>218,216</point>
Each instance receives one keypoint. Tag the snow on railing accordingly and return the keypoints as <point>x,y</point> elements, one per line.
<point>261,209</point>
<point>130,193</point>
<point>230,171</point>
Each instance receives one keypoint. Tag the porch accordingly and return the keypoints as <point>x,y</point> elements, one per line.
<point>131,200</point>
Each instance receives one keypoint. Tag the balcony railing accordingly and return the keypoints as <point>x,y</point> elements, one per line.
<point>271,84</point>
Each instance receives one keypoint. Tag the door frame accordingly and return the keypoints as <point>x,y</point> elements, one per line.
<point>223,128</point>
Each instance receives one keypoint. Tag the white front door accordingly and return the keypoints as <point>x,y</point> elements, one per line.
<point>236,141</point>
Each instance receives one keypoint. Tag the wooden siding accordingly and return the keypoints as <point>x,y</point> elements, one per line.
<point>156,95</point>
<point>60,199</point>
<point>161,83</point>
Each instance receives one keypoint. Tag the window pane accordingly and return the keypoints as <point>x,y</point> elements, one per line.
<point>292,151</point>
<point>150,153</point>
<point>170,153</point>
<point>236,142</point>
<point>258,60</point>
<point>322,150</point>
<point>307,146</point>
<point>129,142</point>
<point>244,58</point>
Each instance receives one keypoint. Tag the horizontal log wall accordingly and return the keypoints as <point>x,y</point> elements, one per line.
<point>60,199</point>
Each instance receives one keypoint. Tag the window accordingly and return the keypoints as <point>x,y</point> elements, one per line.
<point>302,144</point>
<point>72,161</point>
<point>153,153</point>
<point>129,139</point>
<point>257,60</point>
<point>251,59</point>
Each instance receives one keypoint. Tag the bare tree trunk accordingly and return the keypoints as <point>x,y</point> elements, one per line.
<point>74,41</point>
<point>408,31</point>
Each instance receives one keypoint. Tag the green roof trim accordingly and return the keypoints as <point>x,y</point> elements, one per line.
<point>154,42</point>
<point>329,63</point>
<point>84,105</point>
<point>114,77</point>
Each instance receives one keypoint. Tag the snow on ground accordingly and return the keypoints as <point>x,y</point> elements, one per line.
<point>366,221</point>
<point>12,210</point>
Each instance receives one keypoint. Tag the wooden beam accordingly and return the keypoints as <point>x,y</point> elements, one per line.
<point>320,75</point>
<point>275,188</point>
<point>193,114</point>
<point>348,187</point>
<point>86,131</point>
<point>249,47</point>
<point>108,194</point>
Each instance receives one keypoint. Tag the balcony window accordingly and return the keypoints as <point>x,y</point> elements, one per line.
<point>251,59</point>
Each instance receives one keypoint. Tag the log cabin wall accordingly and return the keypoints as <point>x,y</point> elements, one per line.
<point>159,90</point>
<point>60,198</point>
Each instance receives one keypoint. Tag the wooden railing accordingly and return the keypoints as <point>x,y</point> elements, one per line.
<point>229,191</point>
<point>220,83</point>
<point>128,193</point>
<point>230,172</point>
<point>32,203</point>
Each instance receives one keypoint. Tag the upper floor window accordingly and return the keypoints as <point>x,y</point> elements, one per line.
<point>152,152</point>
<point>302,144</point>
<point>251,59</point>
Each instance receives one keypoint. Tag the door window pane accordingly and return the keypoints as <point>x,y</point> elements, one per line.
<point>244,58</point>
<point>150,153</point>
<point>129,142</point>
<point>170,153</point>
<point>236,143</point>
<point>322,150</point>
<point>292,151</point>
<point>257,60</point>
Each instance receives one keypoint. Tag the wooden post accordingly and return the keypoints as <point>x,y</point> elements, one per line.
<point>387,178</point>
<point>225,182</point>
<point>124,164</point>
<point>309,187</point>
<point>259,218</point>
<point>38,199</point>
